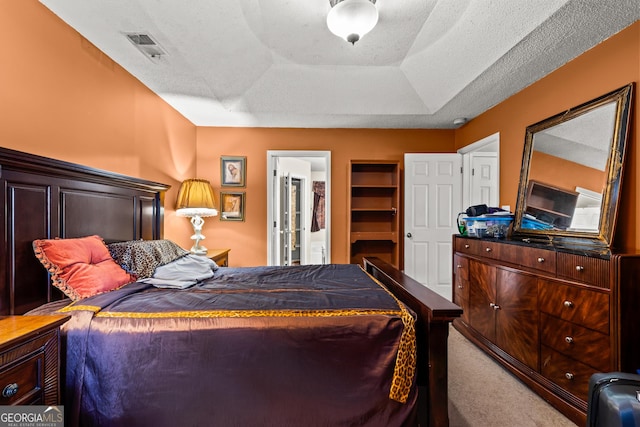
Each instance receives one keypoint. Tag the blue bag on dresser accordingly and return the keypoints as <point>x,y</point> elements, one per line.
<point>614,400</point>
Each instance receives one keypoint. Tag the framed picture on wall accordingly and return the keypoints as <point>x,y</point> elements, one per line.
<point>233,171</point>
<point>232,206</point>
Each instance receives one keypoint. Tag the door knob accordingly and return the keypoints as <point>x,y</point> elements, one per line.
<point>409,235</point>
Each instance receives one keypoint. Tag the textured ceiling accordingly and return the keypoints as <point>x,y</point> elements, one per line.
<point>274,63</point>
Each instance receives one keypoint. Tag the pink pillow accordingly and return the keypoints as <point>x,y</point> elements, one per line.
<point>81,267</point>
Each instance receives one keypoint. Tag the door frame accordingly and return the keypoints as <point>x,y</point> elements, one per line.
<point>272,156</point>
<point>489,143</point>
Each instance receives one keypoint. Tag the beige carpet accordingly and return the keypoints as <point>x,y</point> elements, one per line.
<point>483,394</point>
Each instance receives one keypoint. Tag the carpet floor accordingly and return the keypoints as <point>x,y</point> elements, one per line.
<point>483,394</point>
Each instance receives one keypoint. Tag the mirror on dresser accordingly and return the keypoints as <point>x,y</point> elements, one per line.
<point>556,303</point>
<point>571,170</point>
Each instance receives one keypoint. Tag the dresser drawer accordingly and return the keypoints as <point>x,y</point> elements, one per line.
<point>584,345</point>
<point>467,246</point>
<point>484,248</point>
<point>461,267</point>
<point>593,271</point>
<point>21,383</point>
<point>496,250</point>
<point>461,285</point>
<point>587,308</point>
<point>536,258</point>
<point>569,374</point>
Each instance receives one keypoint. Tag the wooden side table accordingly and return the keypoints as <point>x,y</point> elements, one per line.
<point>219,256</point>
<point>30,360</point>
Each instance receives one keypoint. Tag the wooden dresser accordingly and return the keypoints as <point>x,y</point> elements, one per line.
<point>551,316</point>
<point>30,360</point>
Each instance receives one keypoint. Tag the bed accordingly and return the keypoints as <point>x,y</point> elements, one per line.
<point>351,366</point>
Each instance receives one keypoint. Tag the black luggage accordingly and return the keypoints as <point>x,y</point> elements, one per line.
<point>614,400</point>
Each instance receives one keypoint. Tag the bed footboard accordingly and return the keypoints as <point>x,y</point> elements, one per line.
<point>432,330</point>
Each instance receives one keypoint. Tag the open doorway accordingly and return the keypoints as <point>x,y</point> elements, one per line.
<point>435,192</point>
<point>481,172</point>
<point>298,207</point>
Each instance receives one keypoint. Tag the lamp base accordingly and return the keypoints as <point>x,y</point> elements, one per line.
<point>197,248</point>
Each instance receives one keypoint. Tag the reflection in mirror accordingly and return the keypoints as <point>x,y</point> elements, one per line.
<point>570,156</point>
<point>571,169</point>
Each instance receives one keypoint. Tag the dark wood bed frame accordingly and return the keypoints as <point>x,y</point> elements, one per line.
<point>47,198</point>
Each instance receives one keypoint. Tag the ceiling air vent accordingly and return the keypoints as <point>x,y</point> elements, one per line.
<point>147,45</point>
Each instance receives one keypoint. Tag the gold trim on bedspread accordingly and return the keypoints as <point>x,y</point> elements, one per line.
<point>79,307</point>
<point>405,366</point>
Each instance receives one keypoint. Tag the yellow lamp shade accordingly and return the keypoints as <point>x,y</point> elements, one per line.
<point>196,197</point>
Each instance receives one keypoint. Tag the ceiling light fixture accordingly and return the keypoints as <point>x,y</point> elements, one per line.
<point>352,19</point>
<point>460,121</point>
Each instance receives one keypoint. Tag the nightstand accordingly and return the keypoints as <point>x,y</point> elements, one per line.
<point>30,360</point>
<point>219,256</point>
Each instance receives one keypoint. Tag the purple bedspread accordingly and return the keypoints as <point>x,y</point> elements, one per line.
<point>264,346</point>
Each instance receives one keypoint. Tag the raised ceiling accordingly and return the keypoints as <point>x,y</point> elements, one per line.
<point>274,63</point>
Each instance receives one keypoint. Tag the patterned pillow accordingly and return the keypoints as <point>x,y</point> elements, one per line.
<point>141,257</point>
<point>80,267</point>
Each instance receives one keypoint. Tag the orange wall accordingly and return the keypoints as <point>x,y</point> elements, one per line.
<point>608,66</point>
<point>564,174</point>
<point>61,97</point>
<point>248,239</point>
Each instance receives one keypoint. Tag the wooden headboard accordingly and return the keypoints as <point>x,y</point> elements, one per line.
<point>45,198</point>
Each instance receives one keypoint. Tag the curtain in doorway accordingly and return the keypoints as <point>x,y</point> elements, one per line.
<point>317,220</point>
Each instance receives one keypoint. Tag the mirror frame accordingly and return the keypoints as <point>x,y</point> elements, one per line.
<point>610,197</point>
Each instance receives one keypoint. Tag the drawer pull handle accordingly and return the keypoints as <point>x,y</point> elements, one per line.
<point>579,268</point>
<point>487,249</point>
<point>10,390</point>
<point>459,266</point>
<point>569,340</point>
<point>466,246</point>
<point>460,286</point>
<point>569,376</point>
<point>540,260</point>
<point>494,306</point>
<point>568,304</point>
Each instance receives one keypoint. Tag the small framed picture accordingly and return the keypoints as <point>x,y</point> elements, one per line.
<point>233,171</point>
<point>232,206</point>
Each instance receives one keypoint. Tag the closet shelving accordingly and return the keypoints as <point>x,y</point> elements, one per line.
<point>374,210</point>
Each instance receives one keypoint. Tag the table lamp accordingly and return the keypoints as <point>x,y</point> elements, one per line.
<point>196,200</point>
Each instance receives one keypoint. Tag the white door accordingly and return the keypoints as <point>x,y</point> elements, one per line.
<point>484,179</point>
<point>287,244</point>
<point>292,224</point>
<point>481,172</point>
<point>433,199</point>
